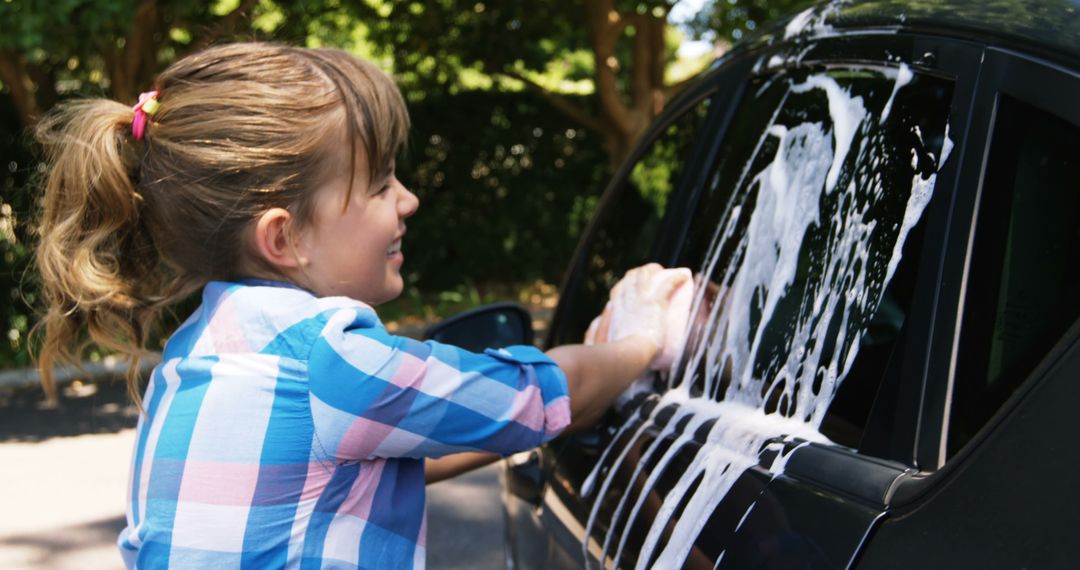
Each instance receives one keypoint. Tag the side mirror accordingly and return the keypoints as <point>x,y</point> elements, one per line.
<point>490,326</point>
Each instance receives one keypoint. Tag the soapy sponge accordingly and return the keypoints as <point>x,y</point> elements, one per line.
<point>676,318</point>
<point>626,315</point>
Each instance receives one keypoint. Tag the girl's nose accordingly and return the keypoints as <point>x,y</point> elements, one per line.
<point>407,202</point>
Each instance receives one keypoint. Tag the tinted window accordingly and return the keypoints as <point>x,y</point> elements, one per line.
<point>1025,265</point>
<point>807,235</point>
<point>804,245</point>
<point>626,228</point>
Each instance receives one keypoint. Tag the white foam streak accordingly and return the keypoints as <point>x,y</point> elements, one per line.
<point>811,22</point>
<point>903,77</point>
<point>946,148</point>
<point>730,448</point>
<point>745,516</point>
<point>847,113</point>
<point>799,23</point>
<point>590,481</point>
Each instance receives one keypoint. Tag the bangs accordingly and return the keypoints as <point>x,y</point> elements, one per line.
<point>375,113</point>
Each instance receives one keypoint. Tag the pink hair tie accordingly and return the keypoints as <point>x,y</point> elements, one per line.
<point>146,107</point>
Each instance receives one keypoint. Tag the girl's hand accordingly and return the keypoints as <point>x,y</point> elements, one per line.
<point>639,307</point>
<point>637,328</point>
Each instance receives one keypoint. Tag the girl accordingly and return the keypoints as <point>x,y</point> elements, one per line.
<point>284,426</point>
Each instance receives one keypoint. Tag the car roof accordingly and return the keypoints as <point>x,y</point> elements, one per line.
<point>1047,28</point>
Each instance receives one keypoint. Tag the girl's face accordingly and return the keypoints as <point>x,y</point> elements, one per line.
<point>356,251</point>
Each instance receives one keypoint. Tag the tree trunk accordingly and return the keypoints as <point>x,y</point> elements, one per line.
<point>127,66</point>
<point>14,74</point>
<point>625,117</point>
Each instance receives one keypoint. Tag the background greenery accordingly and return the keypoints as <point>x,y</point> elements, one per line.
<point>520,112</point>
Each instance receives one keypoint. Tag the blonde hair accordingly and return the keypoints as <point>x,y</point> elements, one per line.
<point>130,227</point>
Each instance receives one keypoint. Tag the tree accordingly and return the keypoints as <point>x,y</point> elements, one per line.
<point>623,47</point>
<point>442,44</point>
<point>49,49</point>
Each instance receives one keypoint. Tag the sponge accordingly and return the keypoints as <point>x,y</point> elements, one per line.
<point>676,318</point>
<point>622,314</point>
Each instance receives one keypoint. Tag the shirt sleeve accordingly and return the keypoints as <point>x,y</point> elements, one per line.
<point>374,394</point>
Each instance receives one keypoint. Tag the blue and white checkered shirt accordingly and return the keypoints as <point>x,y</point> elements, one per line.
<point>282,429</point>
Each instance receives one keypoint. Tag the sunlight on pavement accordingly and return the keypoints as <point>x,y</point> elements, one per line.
<point>63,501</point>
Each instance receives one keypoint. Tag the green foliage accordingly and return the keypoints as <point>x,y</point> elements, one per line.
<point>506,185</point>
<point>16,289</point>
<point>431,42</point>
<point>36,24</point>
<point>652,176</point>
<point>72,47</point>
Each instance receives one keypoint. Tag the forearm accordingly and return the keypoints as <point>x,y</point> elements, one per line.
<point>436,470</point>
<point>597,374</point>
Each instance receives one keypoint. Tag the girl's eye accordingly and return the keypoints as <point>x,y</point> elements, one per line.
<point>385,184</point>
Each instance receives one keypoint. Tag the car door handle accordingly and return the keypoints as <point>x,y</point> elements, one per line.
<point>524,477</point>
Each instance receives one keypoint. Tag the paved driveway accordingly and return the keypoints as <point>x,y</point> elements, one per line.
<point>63,474</point>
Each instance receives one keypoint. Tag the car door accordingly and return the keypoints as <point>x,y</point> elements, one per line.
<point>829,160</point>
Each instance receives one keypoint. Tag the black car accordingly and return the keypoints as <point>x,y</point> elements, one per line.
<point>881,201</point>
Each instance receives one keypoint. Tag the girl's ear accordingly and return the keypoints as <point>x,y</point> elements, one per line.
<point>274,239</point>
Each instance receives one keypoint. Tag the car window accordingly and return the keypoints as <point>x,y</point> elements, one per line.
<point>625,230</point>
<point>808,236</point>
<point>1024,273</point>
<point>805,246</point>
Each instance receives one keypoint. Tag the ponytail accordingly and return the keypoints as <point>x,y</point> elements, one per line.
<point>100,270</point>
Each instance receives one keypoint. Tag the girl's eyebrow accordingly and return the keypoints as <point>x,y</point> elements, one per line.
<point>381,180</point>
<point>386,172</point>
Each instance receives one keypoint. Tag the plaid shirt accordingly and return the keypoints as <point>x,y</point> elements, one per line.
<point>283,429</point>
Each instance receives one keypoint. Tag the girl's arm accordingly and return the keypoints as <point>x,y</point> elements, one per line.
<point>595,376</point>
<point>436,470</point>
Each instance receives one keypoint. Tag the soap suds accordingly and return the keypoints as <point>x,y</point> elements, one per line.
<point>903,77</point>
<point>799,23</point>
<point>811,21</point>
<point>746,514</point>
<point>847,113</point>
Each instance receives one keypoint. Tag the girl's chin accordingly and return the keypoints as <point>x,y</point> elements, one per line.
<point>392,291</point>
